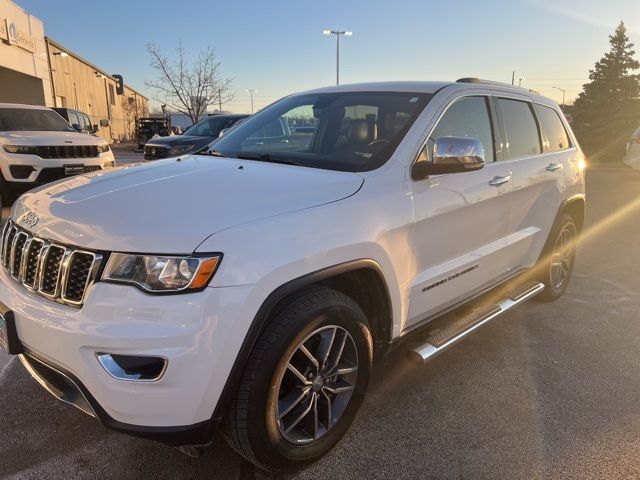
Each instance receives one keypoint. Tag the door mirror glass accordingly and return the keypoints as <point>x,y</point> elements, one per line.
<point>451,155</point>
<point>96,128</point>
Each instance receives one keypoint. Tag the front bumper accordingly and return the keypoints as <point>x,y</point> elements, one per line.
<point>45,170</point>
<point>199,333</point>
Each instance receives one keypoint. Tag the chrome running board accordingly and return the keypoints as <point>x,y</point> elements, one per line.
<point>448,335</point>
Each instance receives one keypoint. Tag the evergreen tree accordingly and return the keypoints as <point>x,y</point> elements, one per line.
<point>608,108</point>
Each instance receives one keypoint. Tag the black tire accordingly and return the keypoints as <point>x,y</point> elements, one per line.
<point>554,289</point>
<point>251,425</point>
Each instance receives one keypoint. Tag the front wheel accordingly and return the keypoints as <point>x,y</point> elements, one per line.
<point>558,259</point>
<point>304,382</point>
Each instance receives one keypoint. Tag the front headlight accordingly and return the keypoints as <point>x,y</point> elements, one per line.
<point>179,150</point>
<point>23,149</point>
<point>159,273</point>
<point>104,147</point>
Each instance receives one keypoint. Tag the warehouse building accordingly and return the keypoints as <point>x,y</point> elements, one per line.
<point>35,69</point>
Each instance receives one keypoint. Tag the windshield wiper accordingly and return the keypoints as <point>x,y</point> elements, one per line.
<point>267,157</point>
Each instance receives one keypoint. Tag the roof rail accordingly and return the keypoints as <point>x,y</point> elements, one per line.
<point>492,82</point>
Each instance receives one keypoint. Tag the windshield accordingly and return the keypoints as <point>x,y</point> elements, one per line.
<point>35,120</point>
<point>211,126</point>
<point>347,131</point>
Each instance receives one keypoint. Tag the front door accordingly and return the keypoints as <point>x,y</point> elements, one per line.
<point>461,219</point>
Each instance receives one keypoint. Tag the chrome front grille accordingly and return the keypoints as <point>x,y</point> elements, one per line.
<point>58,272</point>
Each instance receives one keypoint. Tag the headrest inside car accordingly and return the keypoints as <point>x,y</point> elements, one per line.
<point>361,131</point>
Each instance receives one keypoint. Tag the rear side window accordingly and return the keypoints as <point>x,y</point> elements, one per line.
<point>467,117</point>
<point>554,135</point>
<point>86,123</point>
<point>520,128</point>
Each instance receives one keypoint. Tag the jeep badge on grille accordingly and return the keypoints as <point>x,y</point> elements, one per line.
<point>29,219</point>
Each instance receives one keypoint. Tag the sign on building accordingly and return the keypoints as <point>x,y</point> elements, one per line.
<point>10,34</point>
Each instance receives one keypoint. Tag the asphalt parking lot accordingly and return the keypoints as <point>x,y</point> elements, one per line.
<point>547,391</point>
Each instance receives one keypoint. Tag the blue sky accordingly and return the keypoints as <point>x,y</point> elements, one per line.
<point>277,47</point>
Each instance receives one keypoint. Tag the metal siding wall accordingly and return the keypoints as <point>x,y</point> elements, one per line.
<point>83,90</point>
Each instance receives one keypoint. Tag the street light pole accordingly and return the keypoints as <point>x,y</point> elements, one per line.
<point>252,91</point>
<point>563,95</point>
<point>337,33</point>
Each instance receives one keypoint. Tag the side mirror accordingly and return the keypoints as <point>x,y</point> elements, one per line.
<point>77,127</point>
<point>96,128</point>
<point>223,132</point>
<point>451,155</point>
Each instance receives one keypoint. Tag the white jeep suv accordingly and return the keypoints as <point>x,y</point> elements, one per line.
<point>38,146</point>
<point>250,289</point>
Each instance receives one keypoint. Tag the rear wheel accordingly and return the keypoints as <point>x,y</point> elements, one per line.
<point>556,266</point>
<point>304,382</point>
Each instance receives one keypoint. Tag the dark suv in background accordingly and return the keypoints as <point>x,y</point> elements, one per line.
<point>194,139</point>
<point>80,121</point>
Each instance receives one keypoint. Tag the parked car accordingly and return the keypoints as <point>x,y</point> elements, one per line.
<point>80,121</point>
<point>632,157</point>
<point>251,289</point>
<point>39,146</point>
<point>193,139</point>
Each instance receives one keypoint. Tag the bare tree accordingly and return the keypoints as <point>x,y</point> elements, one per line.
<point>189,88</point>
<point>130,112</point>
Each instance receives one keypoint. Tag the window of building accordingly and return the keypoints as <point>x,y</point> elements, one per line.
<point>554,135</point>
<point>468,117</point>
<point>112,95</point>
<point>521,129</point>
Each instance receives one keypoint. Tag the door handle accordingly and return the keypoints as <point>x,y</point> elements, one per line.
<point>552,167</point>
<point>497,181</point>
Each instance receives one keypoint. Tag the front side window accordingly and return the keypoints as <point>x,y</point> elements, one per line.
<point>354,131</point>
<point>520,128</point>
<point>554,135</point>
<point>32,120</point>
<point>468,117</point>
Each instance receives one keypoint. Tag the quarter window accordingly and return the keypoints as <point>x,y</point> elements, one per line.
<point>521,129</point>
<point>554,135</point>
<point>468,117</point>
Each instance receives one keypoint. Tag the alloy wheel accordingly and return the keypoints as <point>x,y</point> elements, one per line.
<point>561,257</point>
<point>315,384</point>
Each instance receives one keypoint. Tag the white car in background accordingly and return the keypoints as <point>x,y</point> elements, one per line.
<point>632,158</point>
<point>38,146</point>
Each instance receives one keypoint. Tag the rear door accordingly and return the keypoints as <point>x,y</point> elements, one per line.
<point>461,219</point>
<point>537,168</point>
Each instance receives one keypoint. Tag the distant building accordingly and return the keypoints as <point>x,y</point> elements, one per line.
<point>35,69</point>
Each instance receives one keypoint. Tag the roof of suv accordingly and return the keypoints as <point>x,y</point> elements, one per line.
<point>25,106</point>
<point>421,87</point>
<point>425,87</point>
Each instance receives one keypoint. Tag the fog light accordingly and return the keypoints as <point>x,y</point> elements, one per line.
<point>133,368</point>
<point>21,171</point>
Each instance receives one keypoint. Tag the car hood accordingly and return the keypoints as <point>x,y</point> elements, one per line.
<point>175,140</point>
<point>49,138</point>
<point>172,205</point>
